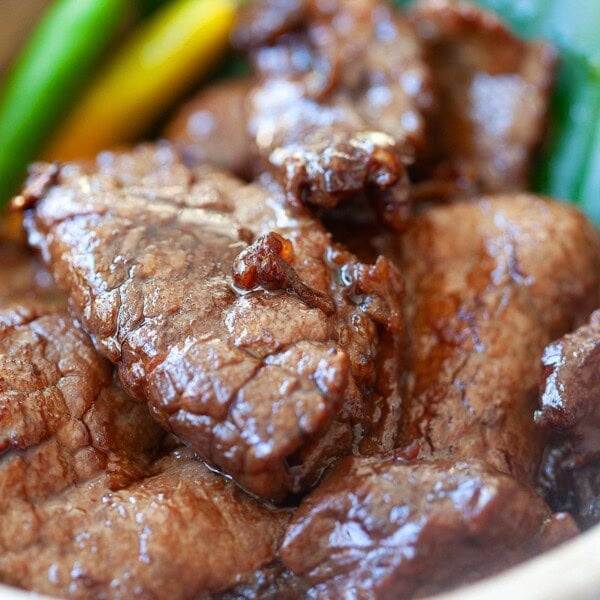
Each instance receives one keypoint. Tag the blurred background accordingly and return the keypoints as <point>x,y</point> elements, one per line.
<point>16,19</point>
<point>101,73</point>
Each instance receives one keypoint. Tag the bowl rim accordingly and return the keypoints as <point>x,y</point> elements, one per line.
<point>571,571</point>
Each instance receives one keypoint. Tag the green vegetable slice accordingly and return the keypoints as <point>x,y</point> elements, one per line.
<point>59,56</point>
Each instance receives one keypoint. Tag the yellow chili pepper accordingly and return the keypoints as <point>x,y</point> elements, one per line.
<point>159,62</point>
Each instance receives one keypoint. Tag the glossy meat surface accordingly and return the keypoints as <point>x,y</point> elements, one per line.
<point>180,532</point>
<point>492,96</point>
<point>338,107</point>
<point>86,511</point>
<point>211,128</point>
<point>62,418</point>
<point>570,411</point>
<point>489,284</point>
<point>264,384</point>
<point>387,527</point>
<point>570,392</point>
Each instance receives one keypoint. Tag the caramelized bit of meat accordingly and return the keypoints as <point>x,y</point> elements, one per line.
<point>338,106</point>
<point>266,263</point>
<point>261,385</point>
<point>492,92</point>
<point>387,527</point>
<point>331,169</point>
<point>489,285</point>
<point>377,289</point>
<point>570,411</point>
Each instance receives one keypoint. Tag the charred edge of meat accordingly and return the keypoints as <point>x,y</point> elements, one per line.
<point>266,264</point>
<point>325,174</point>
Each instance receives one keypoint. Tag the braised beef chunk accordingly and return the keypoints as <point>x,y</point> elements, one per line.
<point>570,391</point>
<point>212,128</point>
<point>338,106</point>
<point>180,532</point>
<point>395,528</point>
<point>489,284</point>
<point>62,418</point>
<point>570,411</point>
<point>492,92</point>
<point>86,510</point>
<point>267,384</point>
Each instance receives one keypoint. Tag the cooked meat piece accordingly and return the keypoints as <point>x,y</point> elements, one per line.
<point>570,410</point>
<point>70,439</point>
<point>570,392</point>
<point>338,106</point>
<point>267,384</point>
<point>489,284</point>
<point>395,528</point>
<point>62,418</point>
<point>492,93</point>
<point>264,21</point>
<point>212,128</point>
<point>178,533</point>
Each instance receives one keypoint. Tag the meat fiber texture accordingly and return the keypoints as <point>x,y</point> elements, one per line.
<point>269,386</point>
<point>87,510</point>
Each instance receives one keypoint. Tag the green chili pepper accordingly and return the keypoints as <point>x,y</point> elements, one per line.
<point>159,60</point>
<point>59,56</point>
